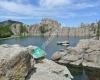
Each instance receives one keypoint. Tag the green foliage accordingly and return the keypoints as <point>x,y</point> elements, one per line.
<point>42,29</point>
<point>22,29</point>
<point>45,28</point>
<point>5,31</point>
<point>98,30</point>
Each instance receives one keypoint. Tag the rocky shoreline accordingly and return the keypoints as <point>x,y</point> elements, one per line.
<point>9,37</point>
<point>16,63</point>
<point>87,53</point>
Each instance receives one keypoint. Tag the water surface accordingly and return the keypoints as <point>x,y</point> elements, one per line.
<point>39,40</point>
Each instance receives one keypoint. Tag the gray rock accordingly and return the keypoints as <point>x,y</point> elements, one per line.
<point>15,62</point>
<point>56,56</point>
<point>87,52</point>
<point>50,70</point>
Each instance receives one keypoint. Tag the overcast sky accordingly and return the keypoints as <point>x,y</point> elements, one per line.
<point>67,12</point>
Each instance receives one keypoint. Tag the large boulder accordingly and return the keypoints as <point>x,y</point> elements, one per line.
<point>87,52</point>
<point>50,70</point>
<point>15,62</point>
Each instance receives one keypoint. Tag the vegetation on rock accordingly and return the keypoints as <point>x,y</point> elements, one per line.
<point>98,30</point>
<point>5,31</point>
<point>9,28</point>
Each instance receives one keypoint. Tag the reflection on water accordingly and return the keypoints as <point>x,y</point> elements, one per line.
<point>38,41</point>
<point>84,73</point>
<point>82,76</point>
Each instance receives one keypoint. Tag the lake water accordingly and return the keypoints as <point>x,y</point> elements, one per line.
<point>38,41</point>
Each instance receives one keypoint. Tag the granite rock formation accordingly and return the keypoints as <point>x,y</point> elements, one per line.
<point>50,70</point>
<point>16,63</point>
<point>87,53</point>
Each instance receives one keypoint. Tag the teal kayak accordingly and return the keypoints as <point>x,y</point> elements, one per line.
<point>37,53</point>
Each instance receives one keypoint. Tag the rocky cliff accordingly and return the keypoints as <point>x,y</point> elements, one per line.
<point>53,27</point>
<point>47,27</point>
<point>80,31</point>
<point>34,30</point>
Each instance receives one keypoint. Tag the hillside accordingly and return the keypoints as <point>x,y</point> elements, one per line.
<point>9,22</point>
<point>9,28</point>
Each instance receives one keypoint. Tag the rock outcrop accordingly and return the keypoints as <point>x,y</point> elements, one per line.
<point>50,70</point>
<point>45,27</point>
<point>16,63</point>
<point>87,52</point>
<point>49,26</point>
<point>34,30</point>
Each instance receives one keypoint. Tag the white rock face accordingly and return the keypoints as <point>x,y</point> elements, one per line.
<point>50,70</point>
<point>86,52</point>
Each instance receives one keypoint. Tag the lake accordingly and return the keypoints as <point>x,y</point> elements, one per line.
<point>38,41</point>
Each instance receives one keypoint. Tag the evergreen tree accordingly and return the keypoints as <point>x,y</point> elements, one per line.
<point>98,30</point>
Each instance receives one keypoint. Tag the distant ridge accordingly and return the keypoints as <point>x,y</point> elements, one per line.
<point>10,22</point>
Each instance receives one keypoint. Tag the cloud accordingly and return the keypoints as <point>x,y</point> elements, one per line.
<point>15,17</point>
<point>84,5</point>
<point>17,1</point>
<point>17,8</point>
<point>46,8</point>
<point>88,15</point>
<point>30,10</point>
<point>54,3</point>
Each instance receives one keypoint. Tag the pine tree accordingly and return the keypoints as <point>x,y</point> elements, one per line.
<point>98,30</point>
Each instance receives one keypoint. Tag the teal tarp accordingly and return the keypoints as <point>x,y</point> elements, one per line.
<point>37,53</point>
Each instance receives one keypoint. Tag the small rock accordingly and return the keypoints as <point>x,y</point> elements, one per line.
<point>56,56</point>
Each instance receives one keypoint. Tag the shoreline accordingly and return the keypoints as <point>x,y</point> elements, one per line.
<point>9,37</point>
<point>39,35</point>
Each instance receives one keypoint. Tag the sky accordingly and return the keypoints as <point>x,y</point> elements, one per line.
<point>67,12</point>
